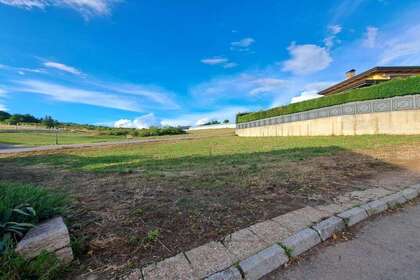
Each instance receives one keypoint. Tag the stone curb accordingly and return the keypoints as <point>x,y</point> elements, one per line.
<point>328,227</point>
<point>263,262</point>
<point>353,216</point>
<point>255,251</point>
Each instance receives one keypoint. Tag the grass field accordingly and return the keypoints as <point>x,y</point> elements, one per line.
<point>214,153</point>
<point>47,138</point>
<point>187,192</point>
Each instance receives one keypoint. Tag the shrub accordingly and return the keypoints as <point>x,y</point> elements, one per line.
<point>396,87</point>
<point>154,131</point>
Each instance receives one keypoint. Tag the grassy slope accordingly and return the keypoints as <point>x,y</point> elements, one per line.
<point>213,152</point>
<point>397,87</point>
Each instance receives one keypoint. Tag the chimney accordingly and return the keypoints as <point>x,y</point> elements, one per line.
<point>351,73</point>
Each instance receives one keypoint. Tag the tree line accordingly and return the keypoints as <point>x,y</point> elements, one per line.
<point>215,122</point>
<point>49,122</point>
<point>17,119</point>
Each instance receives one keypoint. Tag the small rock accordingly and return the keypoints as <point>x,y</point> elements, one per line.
<point>51,236</point>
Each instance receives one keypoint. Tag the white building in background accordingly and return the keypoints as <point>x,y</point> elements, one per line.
<point>214,126</point>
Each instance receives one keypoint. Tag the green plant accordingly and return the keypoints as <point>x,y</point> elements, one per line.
<point>46,266</point>
<point>151,236</point>
<point>79,245</point>
<point>397,87</point>
<point>45,203</point>
<point>287,250</point>
<point>12,226</point>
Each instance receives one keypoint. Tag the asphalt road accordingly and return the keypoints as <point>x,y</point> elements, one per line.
<point>386,248</point>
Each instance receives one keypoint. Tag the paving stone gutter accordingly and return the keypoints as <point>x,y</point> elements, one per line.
<point>257,250</point>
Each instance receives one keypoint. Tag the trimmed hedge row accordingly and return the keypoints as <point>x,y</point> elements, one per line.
<point>396,87</point>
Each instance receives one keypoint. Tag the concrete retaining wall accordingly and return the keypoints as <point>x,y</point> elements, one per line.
<point>395,120</point>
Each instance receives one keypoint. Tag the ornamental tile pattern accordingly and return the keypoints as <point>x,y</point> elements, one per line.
<point>398,103</point>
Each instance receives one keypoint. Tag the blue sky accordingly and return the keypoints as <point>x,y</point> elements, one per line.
<point>142,63</point>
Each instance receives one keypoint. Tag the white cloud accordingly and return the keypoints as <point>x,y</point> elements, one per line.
<point>242,45</point>
<point>333,31</point>
<point>238,87</point>
<point>62,67</point>
<point>401,47</point>
<point>77,95</point>
<point>370,37</point>
<point>230,65</point>
<point>305,95</point>
<point>221,61</point>
<point>310,91</point>
<point>124,96</point>
<point>2,105</point>
<point>345,9</point>
<point>266,85</point>
<point>194,119</point>
<point>26,4</point>
<point>245,42</point>
<point>21,70</point>
<point>153,93</point>
<point>145,121</point>
<point>307,59</point>
<point>215,60</point>
<point>87,8</point>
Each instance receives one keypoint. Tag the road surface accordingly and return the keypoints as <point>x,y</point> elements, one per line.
<point>385,248</point>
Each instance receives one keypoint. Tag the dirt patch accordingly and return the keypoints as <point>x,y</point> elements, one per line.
<point>126,220</point>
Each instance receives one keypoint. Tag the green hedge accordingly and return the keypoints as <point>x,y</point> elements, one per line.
<point>397,87</point>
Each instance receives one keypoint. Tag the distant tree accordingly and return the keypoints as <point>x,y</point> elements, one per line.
<point>19,118</point>
<point>212,122</point>
<point>49,122</point>
<point>14,120</point>
<point>27,118</point>
<point>4,115</point>
<point>226,121</point>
